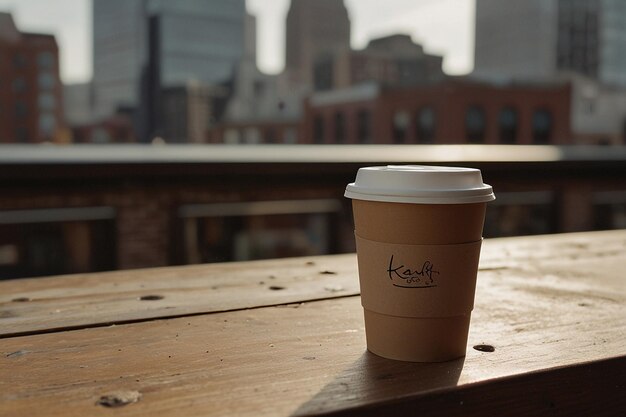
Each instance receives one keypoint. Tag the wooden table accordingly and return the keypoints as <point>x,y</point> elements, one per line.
<point>285,337</point>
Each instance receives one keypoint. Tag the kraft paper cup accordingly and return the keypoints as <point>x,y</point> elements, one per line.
<point>418,232</point>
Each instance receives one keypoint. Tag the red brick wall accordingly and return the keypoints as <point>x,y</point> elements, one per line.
<point>350,110</point>
<point>450,101</point>
<point>28,48</point>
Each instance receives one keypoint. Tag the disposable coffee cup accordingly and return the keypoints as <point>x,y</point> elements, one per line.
<point>418,232</point>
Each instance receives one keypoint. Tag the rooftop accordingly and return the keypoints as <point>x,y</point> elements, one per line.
<point>9,32</point>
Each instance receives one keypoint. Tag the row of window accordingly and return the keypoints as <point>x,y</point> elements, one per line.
<point>45,81</point>
<point>47,125</point>
<point>425,126</point>
<point>45,102</point>
<point>339,133</point>
<point>577,42</point>
<point>45,60</point>
<point>475,125</point>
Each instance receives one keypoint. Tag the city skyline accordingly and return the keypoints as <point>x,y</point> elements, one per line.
<point>443,27</point>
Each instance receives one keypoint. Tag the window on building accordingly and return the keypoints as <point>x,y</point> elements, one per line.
<point>21,110</point>
<point>19,61</point>
<point>401,120</point>
<point>542,126</point>
<point>46,101</point>
<point>507,125</point>
<point>323,73</point>
<point>46,81</point>
<point>318,129</point>
<point>425,125</point>
<point>47,124</point>
<point>45,60</point>
<point>475,124</point>
<point>19,85</point>
<point>340,127</point>
<point>577,45</point>
<point>364,128</point>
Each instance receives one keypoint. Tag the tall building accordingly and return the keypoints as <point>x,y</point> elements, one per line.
<point>582,41</point>
<point>119,54</point>
<point>189,111</point>
<point>142,47</point>
<point>391,60</point>
<point>31,107</point>
<point>77,104</point>
<point>542,38</point>
<point>314,28</point>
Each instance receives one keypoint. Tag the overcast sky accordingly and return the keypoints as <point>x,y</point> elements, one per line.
<point>444,27</point>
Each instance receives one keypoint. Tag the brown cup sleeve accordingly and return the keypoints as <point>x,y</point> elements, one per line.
<point>417,280</point>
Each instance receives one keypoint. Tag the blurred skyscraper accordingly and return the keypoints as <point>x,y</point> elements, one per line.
<point>142,47</point>
<point>31,108</point>
<point>542,38</point>
<point>581,41</point>
<point>314,28</point>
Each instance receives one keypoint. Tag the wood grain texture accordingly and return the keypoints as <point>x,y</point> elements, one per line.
<point>557,324</point>
<point>74,301</point>
<point>84,300</point>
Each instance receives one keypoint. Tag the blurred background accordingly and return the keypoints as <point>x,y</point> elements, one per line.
<point>143,133</point>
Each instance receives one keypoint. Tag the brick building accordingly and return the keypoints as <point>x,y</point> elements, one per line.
<point>451,111</point>
<point>89,208</point>
<point>114,129</point>
<point>31,108</point>
<point>393,60</point>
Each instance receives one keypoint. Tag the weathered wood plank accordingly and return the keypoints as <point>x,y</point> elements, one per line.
<point>310,358</point>
<point>75,301</point>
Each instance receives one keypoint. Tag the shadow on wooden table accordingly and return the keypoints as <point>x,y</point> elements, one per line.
<point>371,378</point>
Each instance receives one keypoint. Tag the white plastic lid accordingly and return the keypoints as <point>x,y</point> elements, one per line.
<point>420,184</point>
